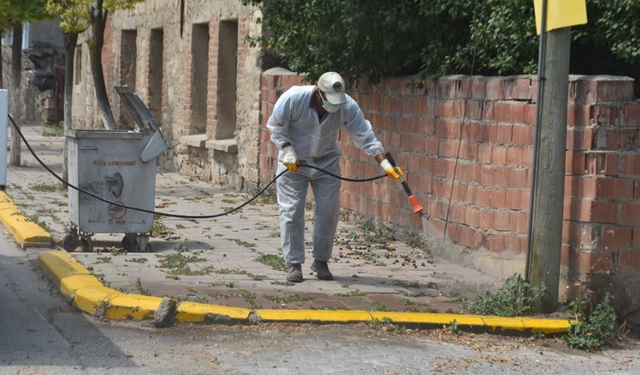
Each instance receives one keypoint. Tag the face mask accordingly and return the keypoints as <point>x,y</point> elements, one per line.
<point>330,108</point>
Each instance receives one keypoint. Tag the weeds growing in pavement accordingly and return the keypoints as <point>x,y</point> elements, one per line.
<point>178,264</point>
<point>276,262</point>
<point>595,331</point>
<point>290,299</point>
<point>514,298</point>
<point>386,324</point>
<point>57,130</point>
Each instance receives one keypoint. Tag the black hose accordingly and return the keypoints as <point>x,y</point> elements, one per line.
<point>164,213</point>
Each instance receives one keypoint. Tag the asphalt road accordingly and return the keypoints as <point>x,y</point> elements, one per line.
<point>41,334</point>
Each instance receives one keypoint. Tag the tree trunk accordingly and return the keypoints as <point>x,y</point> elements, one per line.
<point>70,41</point>
<point>16,71</point>
<point>98,22</point>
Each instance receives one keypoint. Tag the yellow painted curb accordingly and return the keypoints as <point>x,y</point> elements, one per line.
<point>329,316</point>
<point>428,318</point>
<point>193,312</point>
<point>88,294</point>
<point>58,265</point>
<point>26,233</point>
<point>94,301</point>
<point>547,325</point>
<point>132,306</point>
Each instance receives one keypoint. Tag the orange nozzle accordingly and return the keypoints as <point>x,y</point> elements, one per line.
<point>416,206</point>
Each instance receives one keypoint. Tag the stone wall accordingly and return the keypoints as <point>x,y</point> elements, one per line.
<point>465,144</point>
<point>196,147</point>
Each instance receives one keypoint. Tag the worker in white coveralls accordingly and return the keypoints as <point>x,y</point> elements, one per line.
<point>304,126</point>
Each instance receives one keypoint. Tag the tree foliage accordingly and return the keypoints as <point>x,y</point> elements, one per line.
<point>14,12</point>
<point>74,14</point>
<point>380,38</point>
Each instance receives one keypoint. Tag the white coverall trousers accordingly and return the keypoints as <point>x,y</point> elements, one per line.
<point>292,192</point>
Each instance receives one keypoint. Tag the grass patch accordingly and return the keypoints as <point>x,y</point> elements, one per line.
<point>178,264</point>
<point>56,130</point>
<point>242,293</point>
<point>290,299</point>
<point>242,243</point>
<point>276,262</point>
<point>229,271</point>
<point>48,188</point>
<point>353,293</point>
<point>137,260</point>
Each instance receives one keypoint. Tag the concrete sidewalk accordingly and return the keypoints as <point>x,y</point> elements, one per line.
<point>230,268</point>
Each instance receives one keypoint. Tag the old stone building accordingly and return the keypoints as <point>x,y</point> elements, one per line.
<point>198,76</point>
<point>39,95</point>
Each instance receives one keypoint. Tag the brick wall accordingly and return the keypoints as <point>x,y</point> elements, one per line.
<point>465,144</point>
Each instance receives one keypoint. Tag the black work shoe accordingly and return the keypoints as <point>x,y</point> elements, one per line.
<point>294,273</point>
<point>322,270</point>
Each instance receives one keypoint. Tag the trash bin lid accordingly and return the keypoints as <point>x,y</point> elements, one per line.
<point>138,110</point>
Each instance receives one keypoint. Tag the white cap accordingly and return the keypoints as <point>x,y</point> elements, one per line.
<point>332,86</point>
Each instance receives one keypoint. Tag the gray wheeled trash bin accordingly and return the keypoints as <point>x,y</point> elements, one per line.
<point>118,166</point>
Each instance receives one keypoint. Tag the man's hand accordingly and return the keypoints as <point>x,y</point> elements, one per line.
<point>290,159</point>
<point>393,172</point>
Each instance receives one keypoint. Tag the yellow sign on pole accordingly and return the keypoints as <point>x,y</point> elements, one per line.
<point>561,13</point>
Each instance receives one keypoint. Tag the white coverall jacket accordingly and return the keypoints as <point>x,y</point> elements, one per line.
<point>295,120</point>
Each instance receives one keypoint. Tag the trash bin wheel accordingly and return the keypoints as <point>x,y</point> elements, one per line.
<point>87,245</point>
<point>129,242</point>
<point>70,241</point>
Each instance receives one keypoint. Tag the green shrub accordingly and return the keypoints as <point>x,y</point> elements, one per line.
<point>594,332</point>
<point>374,39</point>
<point>514,298</point>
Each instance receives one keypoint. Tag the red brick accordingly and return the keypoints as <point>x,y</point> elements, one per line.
<point>519,178</point>
<point>479,132</point>
<point>636,237</point>
<point>575,162</point>
<point>487,220</point>
<point>614,188</point>
<point>632,115</point>
<point>630,260</point>
<point>615,237</point>
<point>443,167</point>
<point>523,135</point>
<point>500,155</point>
<point>589,211</point>
<point>485,151</point>
<point>473,217</point>
<point>578,115</point>
<point>268,81</point>
<point>496,242</point>
<point>622,139</point>
<point>631,164</point>
<point>498,198</point>
<point>606,115</point>
<point>483,197</point>
<point>629,213</point>
<point>448,148</point>
<point>590,262</point>
<point>501,134</point>
<point>516,156</point>
<point>503,220</point>
<point>517,199</point>
<point>579,138</point>
<point>603,163</point>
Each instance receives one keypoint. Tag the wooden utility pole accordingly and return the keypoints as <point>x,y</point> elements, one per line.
<point>546,239</point>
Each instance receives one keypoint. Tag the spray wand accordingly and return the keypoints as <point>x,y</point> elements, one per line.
<point>417,208</point>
